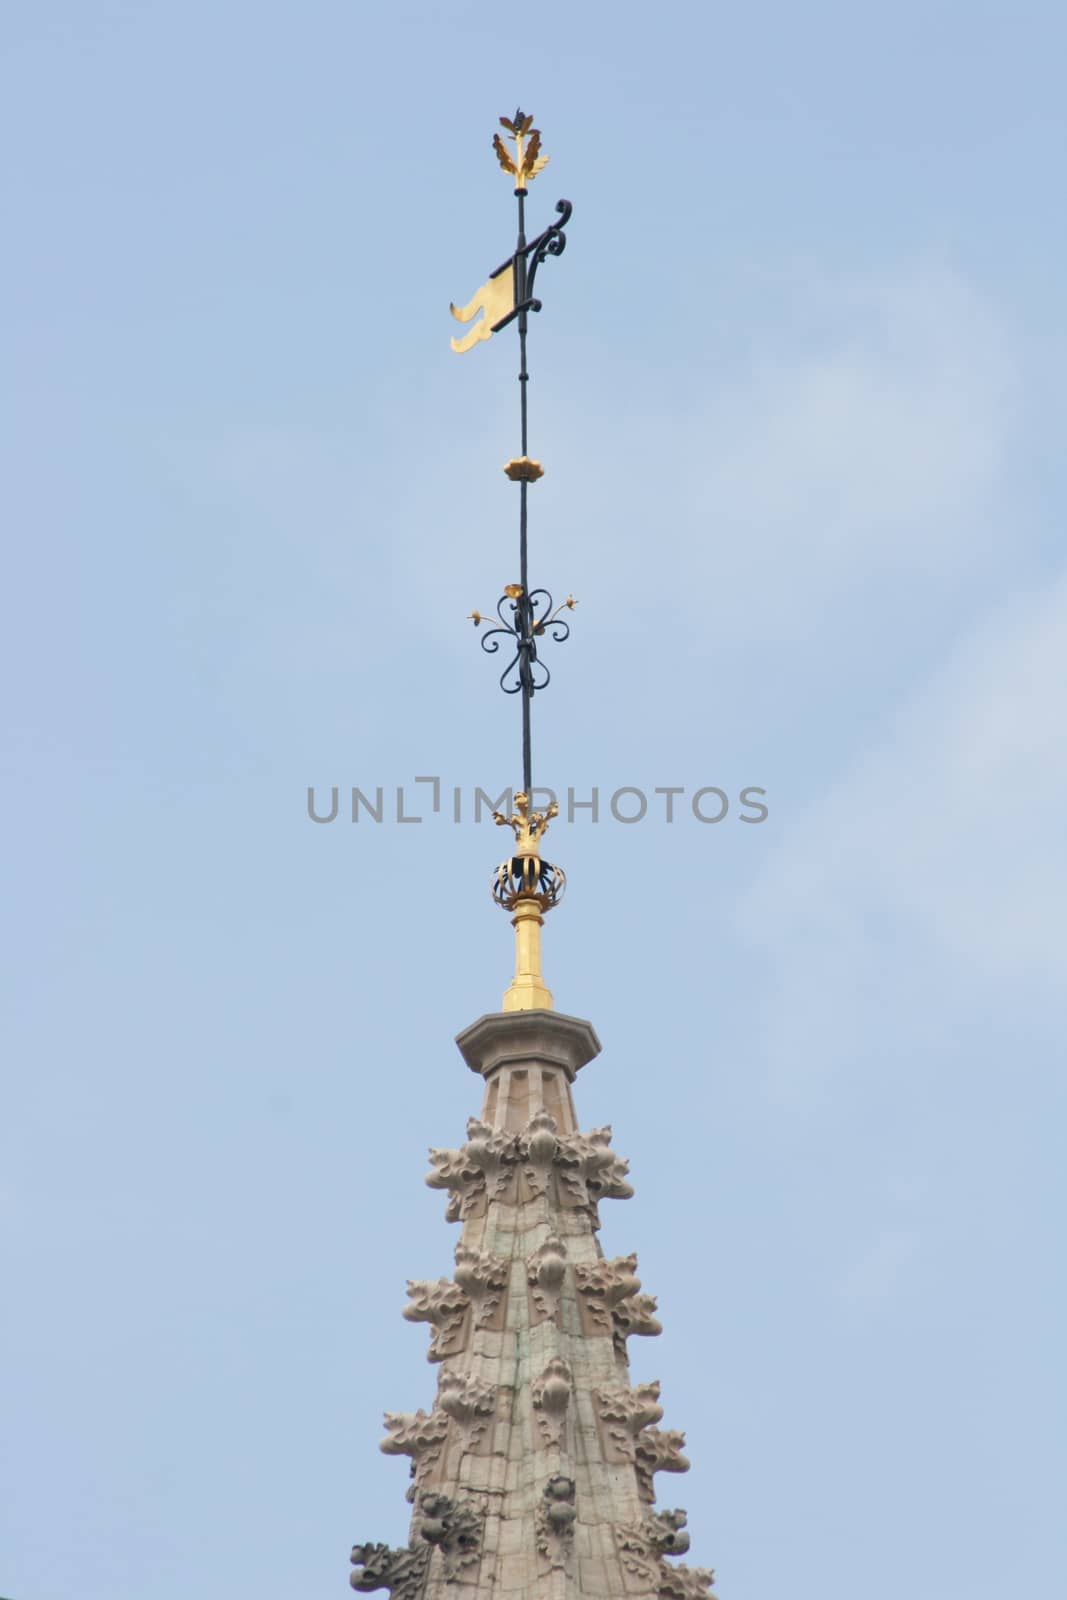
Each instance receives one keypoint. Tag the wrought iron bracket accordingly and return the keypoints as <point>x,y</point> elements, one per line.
<point>526,260</point>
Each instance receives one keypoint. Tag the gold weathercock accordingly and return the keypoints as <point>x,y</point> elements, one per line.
<point>524,885</point>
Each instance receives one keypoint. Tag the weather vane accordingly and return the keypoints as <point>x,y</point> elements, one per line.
<point>525,884</point>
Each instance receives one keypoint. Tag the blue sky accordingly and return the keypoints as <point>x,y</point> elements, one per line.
<point>798,388</point>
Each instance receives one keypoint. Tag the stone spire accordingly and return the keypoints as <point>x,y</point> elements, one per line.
<point>534,1476</point>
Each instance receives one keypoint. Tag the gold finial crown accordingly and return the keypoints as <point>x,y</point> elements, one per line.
<point>527,161</point>
<point>526,887</point>
<point>528,826</point>
<point>524,877</point>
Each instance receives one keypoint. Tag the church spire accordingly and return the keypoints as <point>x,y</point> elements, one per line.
<point>524,884</point>
<point>533,1473</point>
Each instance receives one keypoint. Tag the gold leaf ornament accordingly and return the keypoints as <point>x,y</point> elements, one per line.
<point>503,154</point>
<point>529,158</point>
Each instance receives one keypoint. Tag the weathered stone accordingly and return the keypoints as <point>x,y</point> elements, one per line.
<point>480,1170</point>
<point>551,1394</point>
<point>419,1434</point>
<point>539,1147</point>
<point>545,1270</point>
<point>528,1039</point>
<point>455,1527</point>
<point>402,1572</point>
<point>555,1518</point>
<point>669,1533</point>
<point>637,1557</point>
<point>623,1413</point>
<point>533,1474</point>
<point>658,1450</point>
<point>444,1305</point>
<point>601,1285</point>
<point>634,1315</point>
<point>469,1402</point>
<point>686,1583</point>
<point>483,1279</point>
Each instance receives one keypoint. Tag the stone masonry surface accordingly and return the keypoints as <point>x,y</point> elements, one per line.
<point>533,1477</point>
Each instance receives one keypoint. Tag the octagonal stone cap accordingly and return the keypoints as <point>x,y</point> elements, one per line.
<point>528,1039</point>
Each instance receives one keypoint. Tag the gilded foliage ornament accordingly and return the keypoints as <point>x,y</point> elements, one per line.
<point>527,160</point>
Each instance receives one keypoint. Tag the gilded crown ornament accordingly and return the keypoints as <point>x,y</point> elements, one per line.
<point>527,886</point>
<point>525,875</point>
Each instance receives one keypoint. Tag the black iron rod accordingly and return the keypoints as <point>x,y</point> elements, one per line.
<point>525,617</point>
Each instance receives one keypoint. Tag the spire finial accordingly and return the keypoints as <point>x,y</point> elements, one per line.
<point>524,885</point>
<point>528,886</point>
<point>527,161</point>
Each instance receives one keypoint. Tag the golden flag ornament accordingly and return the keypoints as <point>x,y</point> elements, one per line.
<point>496,299</point>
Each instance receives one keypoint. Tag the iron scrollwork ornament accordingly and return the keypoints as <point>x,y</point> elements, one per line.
<point>532,618</point>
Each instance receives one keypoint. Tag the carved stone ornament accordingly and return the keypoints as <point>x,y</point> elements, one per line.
<point>634,1315</point>
<point>669,1532</point>
<point>539,1146</point>
<point>402,1572</point>
<point>623,1413</point>
<point>455,1528</point>
<point>601,1285</point>
<point>685,1583</point>
<point>545,1270</point>
<point>658,1450</point>
<point>444,1306</point>
<point>483,1279</point>
<point>483,1169</point>
<point>637,1556</point>
<point>551,1394</point>
<point>419,1434</point>
<point>580,1167</point>
<point>469,1402</point>
<point>642,1546</point>
<point>595,1172</point>
<point>555,1518</point>
<point>585,1166</point>
<point>495,1156</point>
